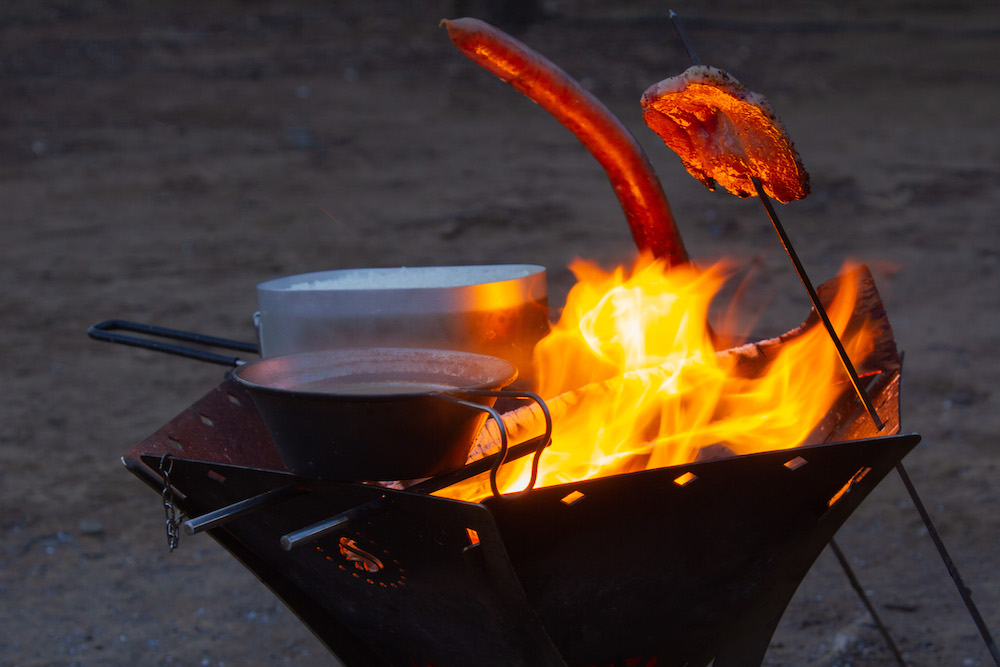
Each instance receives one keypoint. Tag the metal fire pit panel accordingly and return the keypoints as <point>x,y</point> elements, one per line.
<point>638,567</point>
<point>221,454</point>
<point>685,564</point>
<point>422,580</point>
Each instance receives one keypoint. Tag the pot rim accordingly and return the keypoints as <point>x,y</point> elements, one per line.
<point>503,372</point>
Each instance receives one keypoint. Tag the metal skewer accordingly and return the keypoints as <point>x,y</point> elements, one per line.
<point>685,40</point>
<point>821,311</point>
<point>817,304</point>
<point>963,590</point>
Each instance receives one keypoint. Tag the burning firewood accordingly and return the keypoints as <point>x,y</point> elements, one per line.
<point>725,134</point>
<point>749,360</point>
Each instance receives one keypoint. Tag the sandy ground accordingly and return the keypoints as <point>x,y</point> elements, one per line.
<point>157,162</point>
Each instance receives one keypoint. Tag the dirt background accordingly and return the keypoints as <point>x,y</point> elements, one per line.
<point>158,160</point>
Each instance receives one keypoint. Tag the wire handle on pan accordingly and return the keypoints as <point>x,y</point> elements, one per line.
<point>501,456</point>
<point>340,521</point>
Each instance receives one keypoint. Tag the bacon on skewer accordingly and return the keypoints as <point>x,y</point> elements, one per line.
<point>725,134</point>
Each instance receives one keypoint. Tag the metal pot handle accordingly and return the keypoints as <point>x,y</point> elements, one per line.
<point>502,455</point>
<point>107,331</point>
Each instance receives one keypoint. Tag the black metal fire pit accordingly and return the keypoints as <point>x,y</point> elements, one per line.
<point>684,564</point>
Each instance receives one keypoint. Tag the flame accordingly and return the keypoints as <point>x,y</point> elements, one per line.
<point>633,356</point>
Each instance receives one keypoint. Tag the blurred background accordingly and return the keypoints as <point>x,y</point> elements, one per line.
<point>159,159</point>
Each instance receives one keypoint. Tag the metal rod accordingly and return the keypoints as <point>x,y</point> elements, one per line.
<point>817,305</point>
<point>325,527</point>
<point>339,521</point>
<point>859,589</point>
<point>821,311</point>
<point>226,514</point>
<point>963,590</point>
<point>863,395</point>
<point>685,40</point>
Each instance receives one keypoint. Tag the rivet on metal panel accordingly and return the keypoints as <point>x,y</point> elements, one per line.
<point>206,420</point>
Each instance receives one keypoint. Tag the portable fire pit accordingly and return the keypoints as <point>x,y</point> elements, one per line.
<point>672,566</point>
<point>684,565</point>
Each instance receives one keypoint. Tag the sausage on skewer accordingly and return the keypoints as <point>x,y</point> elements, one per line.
<point>635,183</point>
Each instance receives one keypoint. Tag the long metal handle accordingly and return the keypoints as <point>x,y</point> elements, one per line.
<point>224,515</point>
<point>535,445</point>
<point>342,520</point>
<point>108,331</point>
<point>818,305</point>
<point>325,527</point>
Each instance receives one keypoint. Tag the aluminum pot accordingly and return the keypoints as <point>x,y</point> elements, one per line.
<point>374,413</point>
<point>498,310</point>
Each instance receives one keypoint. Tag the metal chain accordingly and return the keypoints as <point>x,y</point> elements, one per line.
<point>169,509</point>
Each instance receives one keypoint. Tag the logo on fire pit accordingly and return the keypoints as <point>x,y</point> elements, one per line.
<point>365,564</point>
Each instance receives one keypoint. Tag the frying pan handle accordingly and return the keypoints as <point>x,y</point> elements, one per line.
<point>109,331</point>
<point>502,455</point>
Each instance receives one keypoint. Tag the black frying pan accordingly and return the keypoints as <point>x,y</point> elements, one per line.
<point>355,413</point>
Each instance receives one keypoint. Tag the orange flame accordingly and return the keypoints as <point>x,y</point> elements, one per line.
<point>633,356</point>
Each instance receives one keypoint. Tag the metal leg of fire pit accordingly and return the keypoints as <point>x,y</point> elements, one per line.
<point>842,559</point>
<point>863,395</point>
<point>848,366</point>
<point>963,590</point>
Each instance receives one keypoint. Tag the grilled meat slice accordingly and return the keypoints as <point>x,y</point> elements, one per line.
<point>725,134</point>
